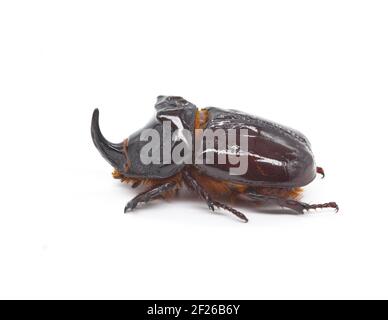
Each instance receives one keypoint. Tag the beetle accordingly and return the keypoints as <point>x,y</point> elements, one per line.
<point>279,159</point>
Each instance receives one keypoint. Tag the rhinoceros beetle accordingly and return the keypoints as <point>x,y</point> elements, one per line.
<point>278,160</point>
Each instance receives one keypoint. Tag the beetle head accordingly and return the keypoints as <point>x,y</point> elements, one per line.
<point>125,156</point>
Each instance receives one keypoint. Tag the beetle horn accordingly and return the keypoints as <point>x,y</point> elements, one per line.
<point>112,152</point>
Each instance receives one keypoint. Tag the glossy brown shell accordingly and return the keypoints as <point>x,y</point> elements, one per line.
<point>277,156</point>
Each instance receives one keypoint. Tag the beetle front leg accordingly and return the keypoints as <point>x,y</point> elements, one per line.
<point>297,206</point>
<point>149,195</point>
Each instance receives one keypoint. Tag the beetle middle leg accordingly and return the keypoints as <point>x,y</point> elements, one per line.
<point>192,183</point>
<point>297,206</point>
<point>152,194</point>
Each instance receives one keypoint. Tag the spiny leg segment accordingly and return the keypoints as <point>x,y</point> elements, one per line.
<point>321,172</point>
<point>194,185</point>
<point>152,194</point>
<point>297,206</point>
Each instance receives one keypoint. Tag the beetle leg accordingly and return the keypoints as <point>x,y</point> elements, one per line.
<point>232,210</point>
<point>194,185</point>
<point>321,172</point>
<point>297,206</point>
<point>149,195</point>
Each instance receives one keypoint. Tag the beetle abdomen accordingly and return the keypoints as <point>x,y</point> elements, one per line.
<point>228,189</point>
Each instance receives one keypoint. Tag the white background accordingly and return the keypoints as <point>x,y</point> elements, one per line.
<point>318,66</point>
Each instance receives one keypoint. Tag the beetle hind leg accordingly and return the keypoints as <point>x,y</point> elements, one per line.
<point>332,205</point>
<point>321,172</point>
<point>294,205</point>
<point>152,194</point>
